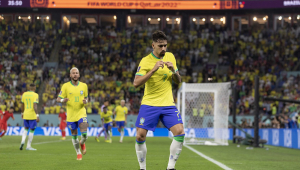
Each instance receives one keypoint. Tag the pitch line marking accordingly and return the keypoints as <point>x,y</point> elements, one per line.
<point>50,142</point>
<point>208,158</point>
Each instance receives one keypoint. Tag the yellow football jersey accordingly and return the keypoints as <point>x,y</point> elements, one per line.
<point>75,94</point>
<point>29,98</point>
<point>158,88</point>
<point>106,116</point>
<point>120,113</point>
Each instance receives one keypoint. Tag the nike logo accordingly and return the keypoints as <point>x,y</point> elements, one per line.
<point>179,119</point>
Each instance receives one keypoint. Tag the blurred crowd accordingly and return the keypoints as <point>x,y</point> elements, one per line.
<point>24,48</point>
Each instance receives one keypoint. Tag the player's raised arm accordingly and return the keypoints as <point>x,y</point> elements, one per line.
<point>62,97</point>
<point>140,78</point>
<point>176,77</point>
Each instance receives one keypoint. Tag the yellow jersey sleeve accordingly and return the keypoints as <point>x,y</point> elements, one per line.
<point>36,98</point>
<point>143,68</point>
<point>63,92</point>
<point>174,63</point>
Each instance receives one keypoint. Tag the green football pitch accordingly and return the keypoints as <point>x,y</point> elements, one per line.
<point>53,153</point>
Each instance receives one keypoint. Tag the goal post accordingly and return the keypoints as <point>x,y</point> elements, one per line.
<point>204,109</point>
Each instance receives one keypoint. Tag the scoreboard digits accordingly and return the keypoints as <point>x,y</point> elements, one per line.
<point>15,3</point>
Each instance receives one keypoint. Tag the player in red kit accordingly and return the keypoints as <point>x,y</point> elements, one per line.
<point>63,123</point>
<point>3,123</point>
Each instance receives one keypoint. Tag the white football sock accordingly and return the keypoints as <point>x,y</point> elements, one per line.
<point>175,150</point>
<point>24,135</point>
<point>141,152</point>
<point>76,145</point>
<point>30,137</point>
<point>122,135</point>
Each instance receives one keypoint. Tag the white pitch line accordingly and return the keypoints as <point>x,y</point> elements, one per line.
<point>208,158</point>
<point>50,142</point>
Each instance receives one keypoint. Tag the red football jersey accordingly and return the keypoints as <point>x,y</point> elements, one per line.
<point>6,116</point>
<point>63,117</point>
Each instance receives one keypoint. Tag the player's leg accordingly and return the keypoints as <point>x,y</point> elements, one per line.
<point>83,125</point>
<point>109,131</point>
<point>73,127</point>
<point>3,128</point>
<point>171,118</point>
<point>24,135</point>
<point>147,120</point>
<point>32,126</point>
<point>122,131</point>
<point>140,147</point>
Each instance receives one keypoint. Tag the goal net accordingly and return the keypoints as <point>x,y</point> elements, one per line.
<point>204,108</point>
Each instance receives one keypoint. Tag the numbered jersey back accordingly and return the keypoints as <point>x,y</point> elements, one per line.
<point>28,99</point>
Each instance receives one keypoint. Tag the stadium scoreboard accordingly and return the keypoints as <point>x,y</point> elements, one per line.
<point>152,4</point>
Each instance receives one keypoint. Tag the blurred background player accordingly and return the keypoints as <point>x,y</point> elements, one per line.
<point>30,99</point>
<point>75,95</point>
<point>158,102</point>
<point>3,122</point>
<point>121,117</point>
<point>63,123</point>
<point>106,104</point>
<point>107,124</point>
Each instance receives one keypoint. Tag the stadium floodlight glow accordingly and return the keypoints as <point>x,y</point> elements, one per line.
<point>254,19</point>
<point>203,19</point>
<point>29,17</point>
<point>280,17</point>
<point>298,17</point>
<point>264,18</point>
<point>221,19</point>
<point>149,19</point>
<point>194,19</point>
<point>129,19</point>
<point>37,17</point>
<point>47,17</point>
<point>115,17</point>
<point>177,19</point>
<point>168,19</point>
<point>19,17</point>
<point>211,19</point>
<point>290,18</point>
<point>158,19</point>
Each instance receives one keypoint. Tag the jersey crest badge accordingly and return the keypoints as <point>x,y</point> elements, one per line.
<point>142,120</point>
<point>81,92</point>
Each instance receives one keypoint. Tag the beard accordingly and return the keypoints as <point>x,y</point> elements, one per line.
<point>161,54</point>
<point>75,79</point>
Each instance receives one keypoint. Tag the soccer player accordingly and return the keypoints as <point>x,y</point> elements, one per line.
<point>63,123</point>
<point>3,122</point>
<point>30,99</point>
<point>75,95</point>
<point>106,103</point>
<point>107,123</point>
<point>157,70</point>
<point>121,117</point>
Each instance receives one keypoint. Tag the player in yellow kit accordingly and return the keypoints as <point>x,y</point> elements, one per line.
<point>30,99</point>
<point>75,95</point>
<point>107,123</point>
<point>121,117</point>
<point>157,71</point>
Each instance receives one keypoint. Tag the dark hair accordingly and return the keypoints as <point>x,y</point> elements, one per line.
<point>105,107</point>
<point>12,108</point>
<point>158,35</point>
<point>32,85</point>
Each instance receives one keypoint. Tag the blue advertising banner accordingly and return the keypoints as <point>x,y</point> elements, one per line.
<point>289,138</point>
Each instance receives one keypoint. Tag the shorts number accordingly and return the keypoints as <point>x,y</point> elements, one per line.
<point>165,77</point>
<point>28,104</point>
<point>76,98</point>
<point>84,119</point>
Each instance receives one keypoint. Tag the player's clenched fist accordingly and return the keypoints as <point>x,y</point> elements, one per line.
<point>169,66</point>
<point>157,65</point>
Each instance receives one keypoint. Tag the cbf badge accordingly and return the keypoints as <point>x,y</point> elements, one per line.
<point>81,92</point>
<point>142,120</point>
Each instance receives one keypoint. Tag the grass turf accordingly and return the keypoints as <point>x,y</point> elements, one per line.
<point>55,154</point>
